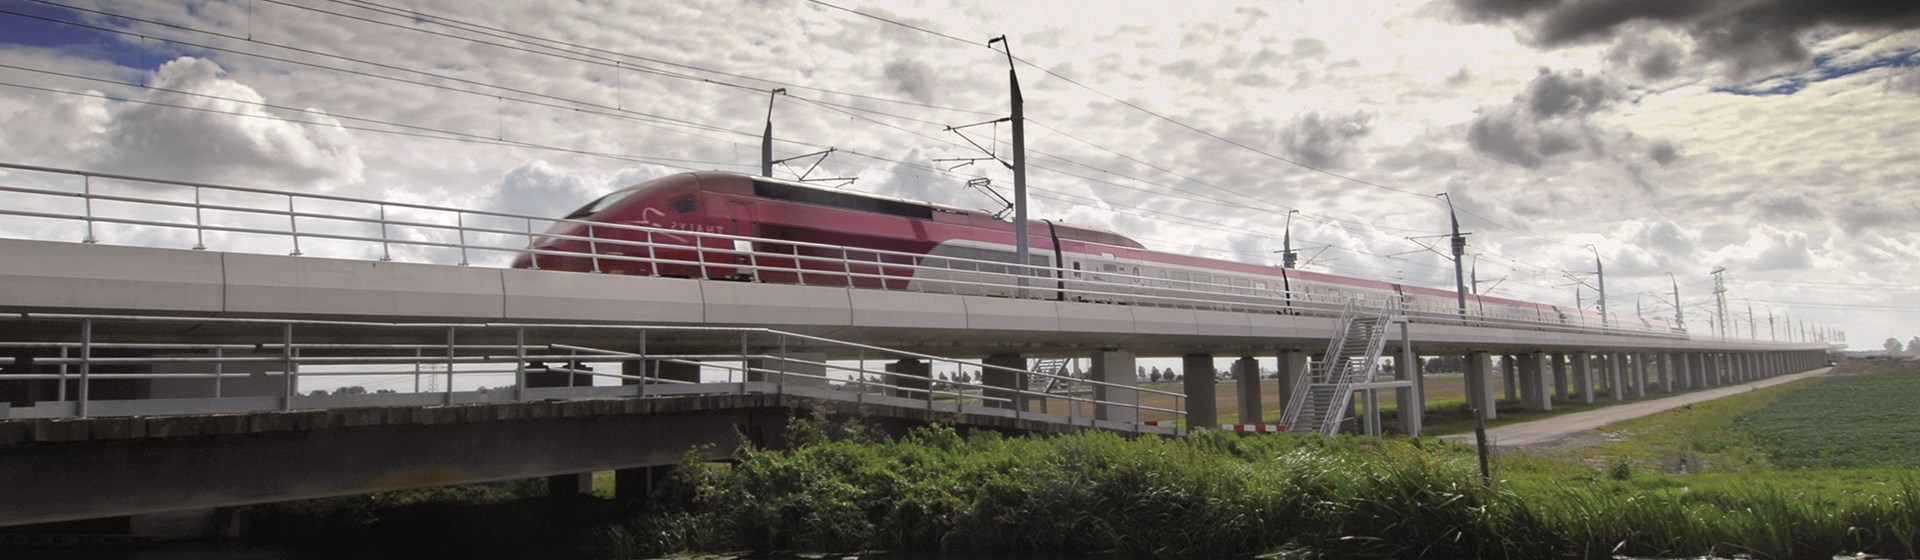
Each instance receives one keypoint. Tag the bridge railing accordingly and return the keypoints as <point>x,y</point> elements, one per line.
<point>107,365</point>
<point>132,210</point>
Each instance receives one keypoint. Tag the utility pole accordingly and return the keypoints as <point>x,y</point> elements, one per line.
<point>1720,297</point>
<point>1752,331</point>
<point>1601,272</point>
<point>1679,317</point>
<point>1459,250</point>
<point>1289,258</point>
<point>1771,333</point>
<point>1020,242</point>
<point>766,138</point>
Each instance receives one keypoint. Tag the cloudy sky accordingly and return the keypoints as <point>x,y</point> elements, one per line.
<point>1774,138</point>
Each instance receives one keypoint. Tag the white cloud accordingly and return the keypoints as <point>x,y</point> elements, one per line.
<point>233,139</point>
<point>1623,145</point>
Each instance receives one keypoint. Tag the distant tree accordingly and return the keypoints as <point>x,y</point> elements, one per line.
<point>1155,376</point>
<point>1179,377</point>
<point>1892,345</point>
<point>353,390</point>
<point>1913,346</point>
<point>1141,372</point>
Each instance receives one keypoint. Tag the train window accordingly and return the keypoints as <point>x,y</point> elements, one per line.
<point>1202,280</point>
<point>842,199</point>
<point>1109,267</point>
<point>597,205</point>
<point>682,205</point>
<point>1181,280</point>
<point>1076,269</point>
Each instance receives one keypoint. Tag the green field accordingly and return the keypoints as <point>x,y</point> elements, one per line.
<point>1843,422</point>
<point>1724,478</point>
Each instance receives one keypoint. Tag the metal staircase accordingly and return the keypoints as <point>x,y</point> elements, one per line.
<point>1051,367</point>
<point>1320,398</point>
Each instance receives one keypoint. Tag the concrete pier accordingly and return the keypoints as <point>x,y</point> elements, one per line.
<point>1198,383</point>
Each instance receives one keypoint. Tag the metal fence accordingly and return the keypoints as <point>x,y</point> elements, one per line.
<point>263,372</point>
<point>218,217</point>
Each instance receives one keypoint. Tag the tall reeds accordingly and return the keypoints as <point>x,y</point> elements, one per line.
<point>1221,495</point>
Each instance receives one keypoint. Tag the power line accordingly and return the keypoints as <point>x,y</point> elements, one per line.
<point>448,135</point>
<point>1181,124</point>
<point>577,101</point>
<point>527,38</point>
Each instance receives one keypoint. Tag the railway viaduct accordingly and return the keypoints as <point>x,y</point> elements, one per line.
<point>153,437</point>
<point>140,376</point>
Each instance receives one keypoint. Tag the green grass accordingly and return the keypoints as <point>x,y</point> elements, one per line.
<point>1213,495</point>
<point>1842,422</point>
<point>1222,495</point>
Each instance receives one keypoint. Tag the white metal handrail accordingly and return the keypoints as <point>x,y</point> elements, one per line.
<point>280,346</point>
<point>855,266</point>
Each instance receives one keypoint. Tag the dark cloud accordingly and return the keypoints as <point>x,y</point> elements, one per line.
<point>1749,36</point>
<point>1663,152</point>
<point>1546,120</point>
<point>912,78</point>
<point>1323,139</point>
<point>1651,57</point>
<point>1788,206</point>
<point>1859,216</point>
<point>1572,94</point>
<point>1461,78</point>
<point>1494,10</point>
<point>1308,47</point>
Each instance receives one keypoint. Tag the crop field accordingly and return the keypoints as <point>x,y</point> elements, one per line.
<point>1862,421</point>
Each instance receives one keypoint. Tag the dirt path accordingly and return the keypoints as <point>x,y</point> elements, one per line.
<point>1578,427</point>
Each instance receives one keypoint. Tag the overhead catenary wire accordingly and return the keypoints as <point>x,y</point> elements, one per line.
<point>1186,126</point>
<point>483,84</point>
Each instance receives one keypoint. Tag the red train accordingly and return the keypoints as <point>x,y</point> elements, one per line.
<point>799,233</point>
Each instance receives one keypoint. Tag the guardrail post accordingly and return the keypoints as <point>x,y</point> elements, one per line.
<point>293,226</point>
<point>653,261</point>
<point>220,371</point>
<point>60,393</point>
<point>846,267</point>
<point>643,363</point>
<point>450,360</point>
<point>746,367</point>
<point>86,364</point>
<point>860,378</point>
<point>780,377</point>
<point>86,198</point>
<point>386,250</point>
<point>287,366</point>
<point>532,258</point>
<point>199,226</point>
<point>520,363</point>
<point>460,227</point>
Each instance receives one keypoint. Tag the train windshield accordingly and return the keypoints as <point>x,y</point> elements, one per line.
<point>596,206</point>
